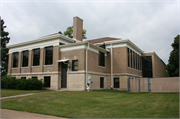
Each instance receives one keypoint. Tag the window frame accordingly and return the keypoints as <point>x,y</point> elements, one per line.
<point>131,58</point>
<point>48,56</point>
<point>25,61</point>
<point>35,58</point>
<point>15,59</point>
<point>101,59</point>
<point>128,54</point>
<point>101,82</point>
<point>73,61</point>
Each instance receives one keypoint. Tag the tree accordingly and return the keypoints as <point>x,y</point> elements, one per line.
<point>173,62</point>
<point>4,51</point>
<point>69,32</point>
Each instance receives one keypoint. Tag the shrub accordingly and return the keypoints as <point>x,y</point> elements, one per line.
<point>8,82</point>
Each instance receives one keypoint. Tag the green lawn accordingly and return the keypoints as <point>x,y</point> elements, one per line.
<point>8,92</point>
<point>98,104</point>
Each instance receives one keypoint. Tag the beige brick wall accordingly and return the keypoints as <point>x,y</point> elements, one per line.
<point>120,60</point>
<point>55,58</point>
<point>10,63</point>
<point>25,70</point>
<point>48,68</point>
<point>75,81</point>
<point>170,84</point>
<point>158,66</point>
<point>96,81</point>
<point>36,69</point>
<point>93,63</point>
<point>75,55</point>
<point>42,59</point>
<point>77,28</point>
<point>14,70</point>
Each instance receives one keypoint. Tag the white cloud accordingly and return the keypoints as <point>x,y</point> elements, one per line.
<point>151,25</point>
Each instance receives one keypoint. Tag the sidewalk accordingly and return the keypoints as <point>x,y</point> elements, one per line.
<point>11,114</point>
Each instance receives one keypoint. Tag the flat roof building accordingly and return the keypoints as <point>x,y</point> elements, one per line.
<point>68,63</point>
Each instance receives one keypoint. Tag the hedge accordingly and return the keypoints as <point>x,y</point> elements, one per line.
<point>8,82</point>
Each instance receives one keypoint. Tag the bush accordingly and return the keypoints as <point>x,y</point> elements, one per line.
<point>8,82</point>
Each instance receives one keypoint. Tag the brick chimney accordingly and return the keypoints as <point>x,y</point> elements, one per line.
<point>78,28</point>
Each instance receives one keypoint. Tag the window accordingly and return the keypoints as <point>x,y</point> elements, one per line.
<point>101,82</point>
<point>49,55</point>
<point>36,57</point>
<point>101,59</point>
<point>61,43</point>
<point>23,77</point>
<point>147,66</point>
<point>134,59</point>
<point>138,62</point>
<point>128,57</point>
<point>116,82</point>
<point>15,59</point>
<point>131,58</point>
<point>74,65</point>
<point>47,80</point>
<point>35,77</point>
<point>25,58</point>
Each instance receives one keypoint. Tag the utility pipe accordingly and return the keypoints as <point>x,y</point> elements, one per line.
<point>86,65</point>
<point>111,68</point>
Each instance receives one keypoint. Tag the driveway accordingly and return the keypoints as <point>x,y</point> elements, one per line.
<point>11,114</point>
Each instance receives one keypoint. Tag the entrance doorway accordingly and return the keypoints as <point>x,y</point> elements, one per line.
<point>116,82</point>
<point>63,75</point>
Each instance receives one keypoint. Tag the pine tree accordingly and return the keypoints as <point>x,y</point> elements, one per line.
<point>4,51</point>
<point>173,62</point>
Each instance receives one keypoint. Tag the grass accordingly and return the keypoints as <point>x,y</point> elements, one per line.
<point>98,104</point>
<point>8,92</point>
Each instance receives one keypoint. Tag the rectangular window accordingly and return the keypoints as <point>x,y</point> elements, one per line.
<point>138,62</point>
<point>49,55</point>
<point>141,63</point>
<point>35,77</point>
<point>131,59</point>
<point>61,43</point>
<point>128,57</point>
<point>36,57</point>
<point>116,82</point>
<point>25,58</point>
<point>23,77</point>
<point>147,66</point>
<point>134,59</point>
<point>101,82</point>
<point>47,80</point>
<point>74,65</point>
<point>15,59</point>
<point>101,59</point>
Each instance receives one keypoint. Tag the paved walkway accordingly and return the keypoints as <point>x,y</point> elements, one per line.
<point>25,95</point>
<point>18,95</point>
<point>11,114</point>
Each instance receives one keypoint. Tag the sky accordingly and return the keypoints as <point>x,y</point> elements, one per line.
<point>151,25</point>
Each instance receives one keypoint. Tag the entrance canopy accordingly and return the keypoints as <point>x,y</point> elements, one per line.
<point>63,60</point>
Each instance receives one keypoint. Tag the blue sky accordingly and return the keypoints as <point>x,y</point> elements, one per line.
<point>149,24</point>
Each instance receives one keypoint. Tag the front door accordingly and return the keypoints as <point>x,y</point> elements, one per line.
<point>63,75</point>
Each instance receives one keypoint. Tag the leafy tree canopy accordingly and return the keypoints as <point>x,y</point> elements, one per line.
<point>173,62</point>
<point>4,56</point>
<point>69,32</point>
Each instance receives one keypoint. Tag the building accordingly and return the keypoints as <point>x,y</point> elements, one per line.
<point>63,62</point>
